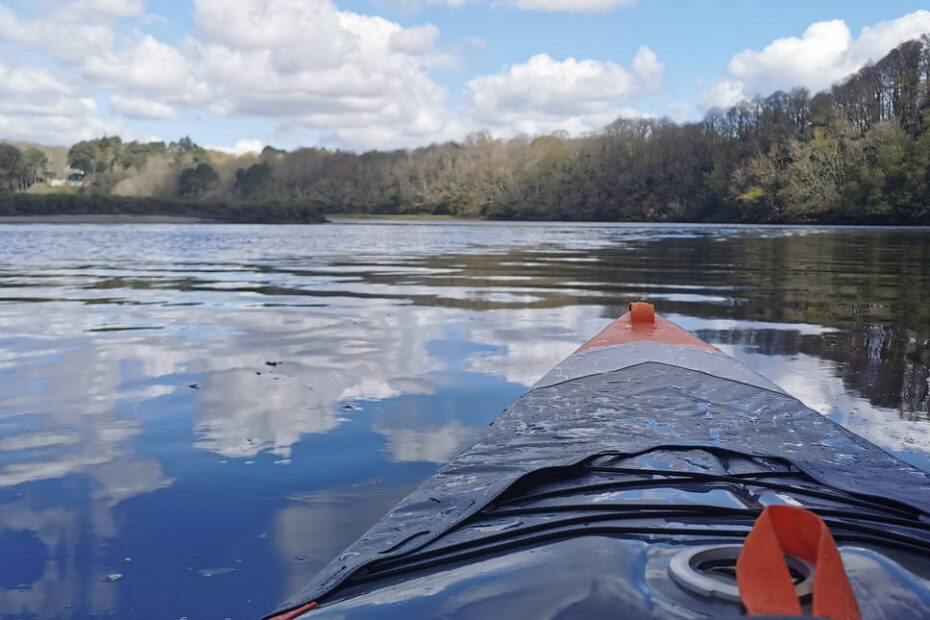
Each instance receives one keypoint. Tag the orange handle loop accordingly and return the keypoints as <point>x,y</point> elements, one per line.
<point>764,582</point>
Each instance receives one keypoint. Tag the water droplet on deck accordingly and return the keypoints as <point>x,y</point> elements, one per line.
<point>206,573</point>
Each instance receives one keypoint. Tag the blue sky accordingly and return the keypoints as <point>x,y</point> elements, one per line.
<point>363,74</point>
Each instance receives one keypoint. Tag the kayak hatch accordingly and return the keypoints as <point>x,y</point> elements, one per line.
<point>623,484</point>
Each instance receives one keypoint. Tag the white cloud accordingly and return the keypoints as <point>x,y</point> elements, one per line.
<point>722,94</point>
<point>824,54</point>
<point>815,60</point>
<point>241,147</point>
<point>477,44</point>
<point>109,8</point>
<point>545,94</point>
<point>68,36</point>
<point>647,68</point>
<point>39,106</point>
<point>149,66</point>
<point>680,111</point>
<point>138,107</point>
<point>290,34</point>
<point>30,82</point>
<point>354,80</point>
<point>324,75</point>
<point>415,41</point>
<point>566,6</point>
<point>573,6</point>
<point>321,74</point>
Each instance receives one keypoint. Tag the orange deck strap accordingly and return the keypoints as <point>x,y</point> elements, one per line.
<point>764,582</point>
<point>294,613</point>
<point>641,324</point>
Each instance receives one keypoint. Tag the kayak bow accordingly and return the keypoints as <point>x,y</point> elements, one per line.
<point>623,484</point>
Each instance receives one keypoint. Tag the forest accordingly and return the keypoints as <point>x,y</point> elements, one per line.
<point>857,153</point>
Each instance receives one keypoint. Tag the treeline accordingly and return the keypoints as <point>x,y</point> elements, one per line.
<point>20,169</point>
<point>227,211</point>
<point>858,153</point>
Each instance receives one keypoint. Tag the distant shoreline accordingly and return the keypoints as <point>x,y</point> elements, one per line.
<point>101,218</point>
<point>404,216</point>
<point>18,208</point>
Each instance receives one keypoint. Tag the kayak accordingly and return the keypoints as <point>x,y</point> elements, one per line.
<point>647,475</point>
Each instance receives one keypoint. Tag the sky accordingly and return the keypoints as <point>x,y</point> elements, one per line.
<point>383,74</point>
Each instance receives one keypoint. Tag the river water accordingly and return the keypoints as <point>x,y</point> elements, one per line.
<point>195,419</point>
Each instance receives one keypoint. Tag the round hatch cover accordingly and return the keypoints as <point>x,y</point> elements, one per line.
<point>711,571</point>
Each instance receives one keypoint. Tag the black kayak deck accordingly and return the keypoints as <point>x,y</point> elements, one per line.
<point>627,399</point>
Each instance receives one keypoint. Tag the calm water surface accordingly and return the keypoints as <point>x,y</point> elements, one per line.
<point>193,420</point>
